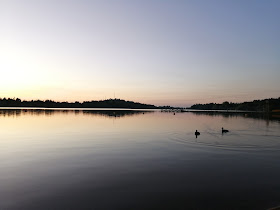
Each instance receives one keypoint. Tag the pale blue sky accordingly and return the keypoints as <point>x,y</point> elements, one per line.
<point>161,52</point>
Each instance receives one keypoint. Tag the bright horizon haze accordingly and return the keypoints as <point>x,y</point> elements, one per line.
<point>174,53</point>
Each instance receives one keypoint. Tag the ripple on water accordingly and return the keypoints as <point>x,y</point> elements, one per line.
<point>235,140</point>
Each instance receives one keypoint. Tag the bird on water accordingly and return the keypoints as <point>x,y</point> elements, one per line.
<point>196,133</point>
<point>224,130</point>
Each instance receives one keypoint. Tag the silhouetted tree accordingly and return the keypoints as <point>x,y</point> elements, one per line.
<point>110,103</point>
<point>256,105</point>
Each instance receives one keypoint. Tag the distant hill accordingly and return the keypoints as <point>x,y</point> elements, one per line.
<point>110,103</point>
<point>265,105</point>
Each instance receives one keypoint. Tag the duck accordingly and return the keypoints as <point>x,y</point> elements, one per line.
<point>224,130</point>
<point>196,133</point>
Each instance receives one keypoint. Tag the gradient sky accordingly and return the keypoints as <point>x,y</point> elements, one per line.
<point>160,52</point>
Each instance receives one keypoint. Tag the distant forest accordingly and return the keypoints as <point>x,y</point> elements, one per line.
<point>110,103</point>
<point>266,105</point>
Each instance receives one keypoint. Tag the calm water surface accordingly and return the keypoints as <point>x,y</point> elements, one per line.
<point>137,160</point>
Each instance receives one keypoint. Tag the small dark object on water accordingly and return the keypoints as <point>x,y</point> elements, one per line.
<point>224,130</point>
<point>196,133</point>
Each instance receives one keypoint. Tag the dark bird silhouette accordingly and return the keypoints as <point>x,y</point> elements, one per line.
<point>196,133</point>
<point>224,130</point>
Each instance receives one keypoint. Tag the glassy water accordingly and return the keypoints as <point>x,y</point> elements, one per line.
<point>84,159</point>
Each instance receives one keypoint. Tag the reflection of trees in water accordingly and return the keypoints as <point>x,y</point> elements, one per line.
<point>50,112</point>
<point>261,116</point>
<point>116,113</point>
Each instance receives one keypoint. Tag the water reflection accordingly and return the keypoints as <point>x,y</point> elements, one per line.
<point>122,113</point>
<point>262,116</point>
<point>85,159</point>
<point>51,112</point>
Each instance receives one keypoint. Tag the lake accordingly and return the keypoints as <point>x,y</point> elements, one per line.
<point>123,159</point>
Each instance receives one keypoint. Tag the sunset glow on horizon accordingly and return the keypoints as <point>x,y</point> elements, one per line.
<point>174,53</point>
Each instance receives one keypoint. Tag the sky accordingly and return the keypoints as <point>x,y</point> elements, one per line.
<point>158,52</point>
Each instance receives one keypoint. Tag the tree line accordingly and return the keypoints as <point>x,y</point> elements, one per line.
<point>109,103</point>
<point>265,105</point>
